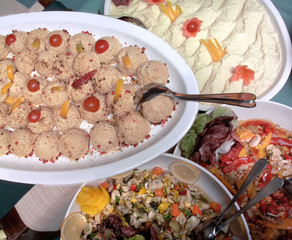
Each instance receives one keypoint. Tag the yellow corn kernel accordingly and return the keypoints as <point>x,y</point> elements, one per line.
<point>127,61</point>
<point>6,87</point>
<point>133,200</point>
<point>10,73</point>
<point>142,191</point>
<point>65,109</point>
<point>163,206</point>
<point>146,175</point>
<point>36,43</point>
<point>176,192</point>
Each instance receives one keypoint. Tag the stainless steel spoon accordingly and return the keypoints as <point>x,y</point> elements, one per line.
<point>212,229</point>
<point>288,185</point>
<point>257,168</point>
<point>152,90</point>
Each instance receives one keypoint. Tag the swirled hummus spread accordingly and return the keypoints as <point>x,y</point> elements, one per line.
<point>241,27</point>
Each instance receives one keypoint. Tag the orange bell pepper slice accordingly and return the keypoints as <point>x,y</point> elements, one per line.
<point>215,51</point>
<point>118,90</point>
<point>65,109</point>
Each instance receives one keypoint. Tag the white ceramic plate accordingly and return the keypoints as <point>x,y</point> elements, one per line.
<point>31,170</point>
<point>213,187</point>
<point>285,43</point>
<point>275,112</point>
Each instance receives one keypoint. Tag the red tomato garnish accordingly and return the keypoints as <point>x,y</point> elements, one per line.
<point>55,40</point>
<point>11,38</point>
<point>156,1</point>
<point>121,2</point>
<point>192,27</point>
<point>34,116</point>
<point>101,46</point>
<point>91,104</point>
<point>244,73</point>
<point>33,85</point>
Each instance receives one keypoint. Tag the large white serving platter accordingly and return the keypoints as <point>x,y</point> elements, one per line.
<point>276,112</point>
<point>95,166</point>
<point>285,43</point>
<point>207,182</point>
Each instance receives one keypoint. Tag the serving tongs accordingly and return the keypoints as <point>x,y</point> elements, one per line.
<point>153,90</point>
<point>209,230</point>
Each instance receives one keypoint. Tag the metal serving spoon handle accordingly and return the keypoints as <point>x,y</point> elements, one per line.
<point>270,188</point>
<point>238,99</point>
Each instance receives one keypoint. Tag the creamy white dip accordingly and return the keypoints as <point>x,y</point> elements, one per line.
<point>243,27</point>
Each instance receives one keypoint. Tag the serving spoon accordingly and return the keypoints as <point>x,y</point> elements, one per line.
<point>153,90</point>
<point>204,229</point>
<point>212,229</point>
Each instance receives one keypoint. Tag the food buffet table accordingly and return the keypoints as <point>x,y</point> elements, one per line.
<point>11,193</point>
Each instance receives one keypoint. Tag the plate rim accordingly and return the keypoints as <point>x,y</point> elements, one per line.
<point>284,37</point>
<point>71,176</point>
<point>169,158</point>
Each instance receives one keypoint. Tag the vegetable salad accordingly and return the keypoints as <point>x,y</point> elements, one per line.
<point>149,204</point>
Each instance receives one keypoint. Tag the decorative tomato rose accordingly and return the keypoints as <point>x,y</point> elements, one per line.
<point>244,73</point>
<point>192,27</point>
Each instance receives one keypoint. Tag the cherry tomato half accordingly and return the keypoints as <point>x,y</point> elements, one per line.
<point>11,38</point>
<point>101,46</point>
<point>55,40</point>
<point>33,85</point>
<point>192,27</point>
<point>34,116</point>
<point>91,104</point>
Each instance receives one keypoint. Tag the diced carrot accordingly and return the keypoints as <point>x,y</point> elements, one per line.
<point>175,211</point>
<point>104,185</point>
<point>157,171</point>
<point>216,207</point>
<point>196,210</point>
<point>159,192</point>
